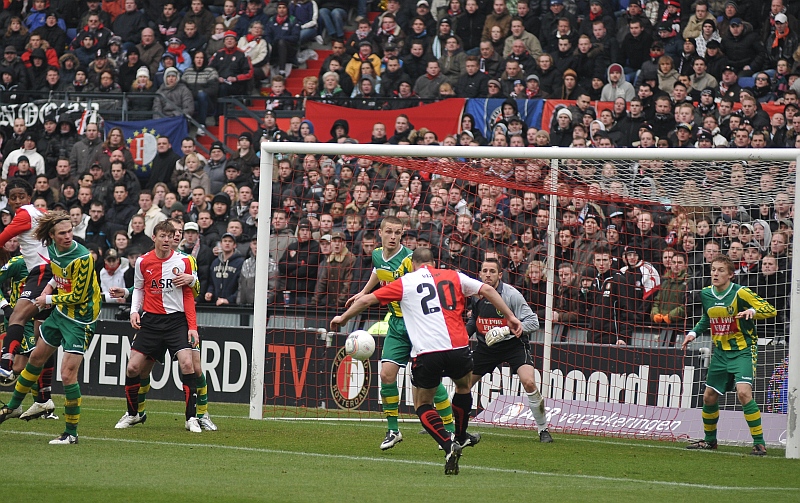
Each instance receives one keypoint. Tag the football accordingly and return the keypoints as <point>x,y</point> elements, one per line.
<point>360,345</point>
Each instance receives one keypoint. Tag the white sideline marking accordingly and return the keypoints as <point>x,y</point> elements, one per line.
<point>417,463</point>
<point>484,429</point>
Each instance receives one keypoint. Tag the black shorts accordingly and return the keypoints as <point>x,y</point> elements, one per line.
<point>427,370</point>
<point>35,284</point>
<point>161,332</point>
<point>515,351</point>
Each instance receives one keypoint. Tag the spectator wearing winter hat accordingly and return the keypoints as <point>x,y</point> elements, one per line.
<point>141,99</point>
<point>617,85</point>
<point>129,69</point>
<point>182,59</point>
<point>234,69</point>
<point>203,81</point>
<point>173,97</point>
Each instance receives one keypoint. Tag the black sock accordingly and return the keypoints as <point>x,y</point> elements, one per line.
<point>462,404</point>
<point>190,394</point>
<point>132,394</point>
<point>433,424</point>
<point>13,340</point>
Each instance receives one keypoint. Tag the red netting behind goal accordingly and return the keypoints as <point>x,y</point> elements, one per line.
<point>633,245</point>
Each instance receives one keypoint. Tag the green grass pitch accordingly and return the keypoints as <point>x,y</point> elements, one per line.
<point>285,460</point>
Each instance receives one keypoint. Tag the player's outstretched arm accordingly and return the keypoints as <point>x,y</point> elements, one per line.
<point>492,296</point>
<point>371,284</point>
<point>354,310</point>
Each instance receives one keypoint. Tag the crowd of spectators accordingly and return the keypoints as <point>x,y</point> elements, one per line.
<point>634,241</point>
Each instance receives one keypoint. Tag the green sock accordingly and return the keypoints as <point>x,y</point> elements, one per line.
<point>144,387</point>
<point>391,399</point>
<point>72,407</point>
<point>442,403</point>
<point>710,417</point>
<point>202,396</point>
<point>28,377</point>
<point>753,417</point>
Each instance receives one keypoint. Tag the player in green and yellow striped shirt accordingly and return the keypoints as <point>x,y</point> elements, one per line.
<point>15,272</point>
<point>391,261</point>
<point>729,311</point>
<point>77,300</point>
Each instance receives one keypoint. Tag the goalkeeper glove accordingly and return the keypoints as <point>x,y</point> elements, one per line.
<point>496,335</point>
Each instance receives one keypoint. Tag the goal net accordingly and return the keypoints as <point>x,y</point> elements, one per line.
<point>610,248</point>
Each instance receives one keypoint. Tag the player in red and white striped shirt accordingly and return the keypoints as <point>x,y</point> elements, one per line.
<point>433,301</point>
<point>168,321</point>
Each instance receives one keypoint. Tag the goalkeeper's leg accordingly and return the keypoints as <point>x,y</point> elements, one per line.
<point>535,400</point>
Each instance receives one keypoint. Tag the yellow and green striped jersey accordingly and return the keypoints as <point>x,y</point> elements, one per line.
<point>15,272</point>
<point>719,316</point>
<point>193,261</point>
<point>389,269</point>
<point>78,295</point>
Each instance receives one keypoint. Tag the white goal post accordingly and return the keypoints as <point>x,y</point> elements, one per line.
<point>269,150</point>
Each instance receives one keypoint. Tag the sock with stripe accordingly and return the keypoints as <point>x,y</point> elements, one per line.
<point>190,394</point>
<point>72,408</point>
<point>28,377</point>
<point>462,405</point>
<point>433,424</point>
<point>536,404</point>
<point>132,385</point>
<point>442,403</point>
<point>46,380</point>
<point>144,387</point>
<point>390,396</point>
<point>202,395</point>
<point>753,416</point>
<point>11,344</point>
<point>710,418</point>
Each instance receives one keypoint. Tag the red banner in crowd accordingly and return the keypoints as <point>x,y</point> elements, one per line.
<point>442,118</point>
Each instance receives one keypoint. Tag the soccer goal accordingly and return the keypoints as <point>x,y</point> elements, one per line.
<point>610,247</point>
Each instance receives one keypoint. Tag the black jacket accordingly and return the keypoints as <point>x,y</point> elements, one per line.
<point>299,267</point>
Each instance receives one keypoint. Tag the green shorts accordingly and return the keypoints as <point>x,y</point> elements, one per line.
<point>396,344</point>
<point>728,368</point>
<point>58,330</point>
<point>28,339</point>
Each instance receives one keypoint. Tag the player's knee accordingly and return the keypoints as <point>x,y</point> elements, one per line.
<point>528,384</point>
<point>710,397</point>
<point>133,369</point>
<point>187,368</point>
<point>744,396</point>
<point>388,376</point>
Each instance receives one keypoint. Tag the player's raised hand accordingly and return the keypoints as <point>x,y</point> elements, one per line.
<point>336,323</point>
<point>353,299</point>
<point>136,321</point>
<point>514,325</point>
<point>747,314</point>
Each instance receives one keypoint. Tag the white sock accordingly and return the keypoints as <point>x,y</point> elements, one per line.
<point>536,403</point>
